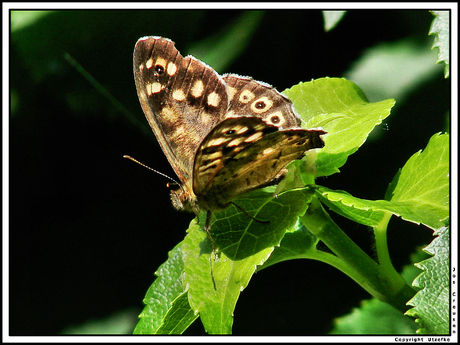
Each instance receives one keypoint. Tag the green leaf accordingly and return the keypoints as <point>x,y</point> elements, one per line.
<point>216,281</point>
<point>179,317</point>
<point>23,19</point>
<point>332,18</point>
<point>423,184</point>
<point>165,312</point>
<point>239,236</point>
<point>374,317</point>
<point>440,28</point>
<point>431,303</point>
<point>215,285</point>
<point>419,192</point>
<point>222,48</point>
<point>120,322</point>
<point>366,212</point>
<point>299,244</point>
<point>394,69</point>
<point>340,108</point>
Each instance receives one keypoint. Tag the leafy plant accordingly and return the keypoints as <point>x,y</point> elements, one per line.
<point>194,282</point>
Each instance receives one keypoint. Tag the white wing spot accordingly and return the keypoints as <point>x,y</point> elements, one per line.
<point>242,130</point>
<point>197,89</point>
<point>261,105</point>
<point>246,96</point>
<point>278,115</point>
<point>217,141</point>
<point>178,95</point>
<point>154,88</point>
<point>235,142</point>
<point>160,62</point>
<point>206,118</point>
<point>256,136</point>
<point>213,99</point>
<point>149,63</point>
<point>172,68</point>
<point>213,156</point>
<point>268,151</point>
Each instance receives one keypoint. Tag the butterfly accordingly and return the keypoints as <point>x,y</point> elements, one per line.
<point>224,136</point>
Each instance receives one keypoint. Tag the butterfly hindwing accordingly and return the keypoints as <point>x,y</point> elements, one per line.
<point>250,97</point>
<point>245,153</point>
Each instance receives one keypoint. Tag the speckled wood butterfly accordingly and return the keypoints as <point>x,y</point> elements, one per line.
<point>223,136</point>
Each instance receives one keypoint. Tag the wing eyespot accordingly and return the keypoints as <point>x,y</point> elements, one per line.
<point>159,70</point>
<point>260,105</point>
<point>275,119</point>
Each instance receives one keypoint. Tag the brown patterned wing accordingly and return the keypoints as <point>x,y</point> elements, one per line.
<point>243,154</point>
<point>182,99</point>
<point>250,97</point>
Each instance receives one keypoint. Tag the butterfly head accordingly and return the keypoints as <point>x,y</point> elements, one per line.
<point>183,199</point>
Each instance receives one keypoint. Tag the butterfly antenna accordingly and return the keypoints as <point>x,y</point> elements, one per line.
<point>146,166</point>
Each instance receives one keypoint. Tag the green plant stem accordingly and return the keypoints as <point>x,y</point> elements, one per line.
<point>355,263</point>
<point>385,265</point>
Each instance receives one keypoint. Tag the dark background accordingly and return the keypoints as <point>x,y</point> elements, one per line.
<point>88,229</point>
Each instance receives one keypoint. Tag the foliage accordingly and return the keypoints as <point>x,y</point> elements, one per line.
<point>440,28</point>
<point>431,303</point>
<point>419,193</point>
<point>55,104</point>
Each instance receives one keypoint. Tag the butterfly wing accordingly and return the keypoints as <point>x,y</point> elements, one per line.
<point>245,153</point>
<point>250,97</point>
<point>182,99</point>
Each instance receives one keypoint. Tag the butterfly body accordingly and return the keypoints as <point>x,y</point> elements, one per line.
<point>223,136</point>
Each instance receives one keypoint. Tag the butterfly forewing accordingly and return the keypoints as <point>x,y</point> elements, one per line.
<point>182,99</point>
